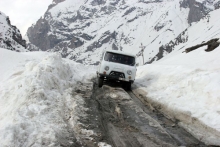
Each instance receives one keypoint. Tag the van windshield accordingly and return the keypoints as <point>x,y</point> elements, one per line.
<point>119,58</point>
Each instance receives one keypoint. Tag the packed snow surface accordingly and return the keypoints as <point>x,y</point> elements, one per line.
<point>189,84</point>
<point>36,104</point>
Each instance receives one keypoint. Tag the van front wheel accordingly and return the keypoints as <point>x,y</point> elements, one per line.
<point>127,85</point>
<point>100,81</point>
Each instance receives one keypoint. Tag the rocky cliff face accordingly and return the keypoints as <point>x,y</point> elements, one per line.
<point>10,36</point>
<point>197,10</point>
<point>81,30</point>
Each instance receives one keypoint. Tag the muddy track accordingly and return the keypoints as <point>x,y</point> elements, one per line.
<point>120,119</point>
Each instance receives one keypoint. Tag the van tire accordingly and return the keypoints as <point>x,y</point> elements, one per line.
<point>128,87</point>
<point>100,81</point>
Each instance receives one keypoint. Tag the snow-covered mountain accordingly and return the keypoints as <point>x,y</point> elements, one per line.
<point>10,36</point>
<point>80,30</point>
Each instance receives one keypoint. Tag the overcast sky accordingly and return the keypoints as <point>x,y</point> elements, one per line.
<point>23,13</point>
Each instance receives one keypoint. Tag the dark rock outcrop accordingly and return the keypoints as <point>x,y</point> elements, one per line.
<point>32,47</point>
<point>55,2</point>
<point>196,10</point>
<point>211,45</point>
<point>217,5</point>
<point>39,35</point>
<point>159,26</point>
<point>149,2</point>
<point>43,37</point>
<point>128,11</point>
<point>98,2</point>
<point>182,38</point>
<point>105,38</point>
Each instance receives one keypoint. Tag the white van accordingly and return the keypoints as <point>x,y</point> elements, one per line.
<point>117,66</point>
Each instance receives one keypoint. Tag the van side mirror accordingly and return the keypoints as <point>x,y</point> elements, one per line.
<point>137,64</point>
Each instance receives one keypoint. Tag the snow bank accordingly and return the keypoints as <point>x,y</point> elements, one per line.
<point>36,103</point>
<point>12,62</point>
<point>186,87</point>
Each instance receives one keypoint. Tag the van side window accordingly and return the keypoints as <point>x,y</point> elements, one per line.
<point>108,56</point>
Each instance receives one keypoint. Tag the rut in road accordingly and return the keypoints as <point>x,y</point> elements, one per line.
<point>121,120</point>
<point>129,123</point>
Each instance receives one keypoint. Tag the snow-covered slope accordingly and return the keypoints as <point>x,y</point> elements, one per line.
<point>10,36</point>
<point>81,30</point>
<point>186,85</point>
<point>37,104</point>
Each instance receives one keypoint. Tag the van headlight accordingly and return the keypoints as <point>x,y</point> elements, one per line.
<point>129,72</point>
<point>106,68</point>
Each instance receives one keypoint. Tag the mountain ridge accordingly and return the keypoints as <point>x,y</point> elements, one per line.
<point>10,36</point>
<point>81,30</point>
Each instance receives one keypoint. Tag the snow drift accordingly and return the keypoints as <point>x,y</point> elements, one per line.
<point>36,103</point>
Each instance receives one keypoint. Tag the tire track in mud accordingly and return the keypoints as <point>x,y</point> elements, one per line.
<point>181,137</point>
<point>118,118</point>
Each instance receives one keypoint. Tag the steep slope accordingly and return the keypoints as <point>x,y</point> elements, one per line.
<point>80,30</point>
<point>196,33</point>
<point>10,36</point>
<point>186,86</point>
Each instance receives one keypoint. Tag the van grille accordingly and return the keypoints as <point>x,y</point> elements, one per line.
<point>117,74</point>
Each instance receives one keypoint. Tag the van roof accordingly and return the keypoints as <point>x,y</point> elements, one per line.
<point>120,52</point>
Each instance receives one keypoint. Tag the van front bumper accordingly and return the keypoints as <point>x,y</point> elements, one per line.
<point>116,78</point>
